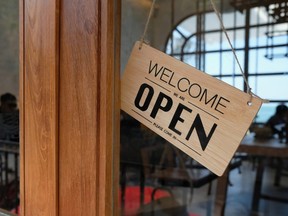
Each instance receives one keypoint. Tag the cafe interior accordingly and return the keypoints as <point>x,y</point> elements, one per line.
<point>242,43</point>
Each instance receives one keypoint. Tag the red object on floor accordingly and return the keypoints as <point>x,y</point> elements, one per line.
<point>132,198</point>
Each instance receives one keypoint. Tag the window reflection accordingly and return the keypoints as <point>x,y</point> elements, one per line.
<point>152,167</point>
<point>267,51</point>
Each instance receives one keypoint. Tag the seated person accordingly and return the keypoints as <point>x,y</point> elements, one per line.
<point>278,121</point>
<point>8,103</point>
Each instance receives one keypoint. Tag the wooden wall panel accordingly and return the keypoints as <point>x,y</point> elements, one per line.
<point>79,107</point>
<point>39,80</point>
<point>69,107</point>
<point>87,58</point>
<point>109,107</point>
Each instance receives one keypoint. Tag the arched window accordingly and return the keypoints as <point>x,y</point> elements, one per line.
<point>261,44</point>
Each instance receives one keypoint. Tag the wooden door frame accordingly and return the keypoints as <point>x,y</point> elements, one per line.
<point>49,30</point>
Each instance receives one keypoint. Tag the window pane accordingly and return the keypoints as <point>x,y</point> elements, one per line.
<point>259,63</point>
<point>240,19</point>
<point>212,63</point>
<point>190,45</point>
<point>212,41</point>
<point>270,87</point>
<point>190,59</point>
<point>178,41</point>
<point>237,82</point>
<point>168,47</point>
<point>188,26</point>
<point>277,35</point>
<point>258,36</point>
<point>279,53</point>
<point>258,16</point>
<point>211,25</point>
<point>228,20</point>
<point>236,38</point>
<point>266,111</point>
<point>229,64</point>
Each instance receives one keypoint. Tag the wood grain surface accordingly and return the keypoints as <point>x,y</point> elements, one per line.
<point>79,107</point>
<point>39,106</point>
<point>203,116</point>
<point>69,77</point>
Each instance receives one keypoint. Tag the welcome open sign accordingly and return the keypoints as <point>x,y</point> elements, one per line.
<point>201,115</point>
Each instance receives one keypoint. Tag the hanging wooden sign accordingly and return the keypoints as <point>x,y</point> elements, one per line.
<point>199,114</point>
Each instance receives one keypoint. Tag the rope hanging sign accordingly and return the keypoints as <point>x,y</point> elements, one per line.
<point>204,117</point>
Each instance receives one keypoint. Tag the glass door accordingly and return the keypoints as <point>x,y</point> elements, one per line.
<point>9,112</point>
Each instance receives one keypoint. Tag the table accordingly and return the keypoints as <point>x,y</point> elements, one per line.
<point>256,147</point>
